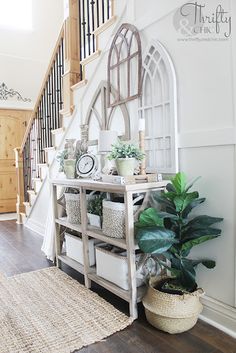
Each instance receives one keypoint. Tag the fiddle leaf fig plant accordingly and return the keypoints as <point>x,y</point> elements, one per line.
<point>170,231</point>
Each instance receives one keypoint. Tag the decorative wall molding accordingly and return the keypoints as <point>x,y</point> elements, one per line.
<point>205,138</point>
<point>220,315</point>
<point>6,93</point>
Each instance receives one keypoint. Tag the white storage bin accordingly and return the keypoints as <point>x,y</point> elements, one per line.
<point>114,266</point>
<point>74,249</point>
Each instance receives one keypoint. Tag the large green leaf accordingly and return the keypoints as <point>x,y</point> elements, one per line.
<point>188,275</point>
<point>192,205</point>
<point>182,201</point>
<point>187,246</point>
<point>155,240</point>
<point>168,215</point>
<point>206,262</point>
<point>179,182</point>
<point>158,198</point>
<point>170,188</point>
<point>203,221</point>
<point>149,218</point>
<point>189,233</point>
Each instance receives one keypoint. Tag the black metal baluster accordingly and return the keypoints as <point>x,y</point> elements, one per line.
<point>92,3</point>
<point>98,13</point>
<point>60,77</point>
<point>49,110</point>
<point>45,119</point>
<point>43,131</point>
<point>108,9</point>
<point>83,29</point>
<point>80,33</point>
<point>52,98</point>
<point>40,135</point>
<point>103,11</point>
<point>56,94</point>
<point>38,142</point>
<point>88,28</point>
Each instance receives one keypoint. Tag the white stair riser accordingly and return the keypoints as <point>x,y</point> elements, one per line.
<point>27,210</point>
<point>57,138</point>
<point>37,185</point>
<point>50,155</point>
<point>32,198</point>
<point>43,171</point>
<point>104,38</point>
<point>66,121</point>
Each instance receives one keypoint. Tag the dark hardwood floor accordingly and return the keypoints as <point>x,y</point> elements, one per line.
<point>20,252</point>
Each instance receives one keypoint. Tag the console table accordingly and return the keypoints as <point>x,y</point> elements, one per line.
<point>134,294</point>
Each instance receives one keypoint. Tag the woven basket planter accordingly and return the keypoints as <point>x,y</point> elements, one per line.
<point>73,208</point>
<point>171,313</point>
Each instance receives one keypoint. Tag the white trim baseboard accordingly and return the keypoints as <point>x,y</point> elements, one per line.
<point>35,226</point>
<point>219,315</point>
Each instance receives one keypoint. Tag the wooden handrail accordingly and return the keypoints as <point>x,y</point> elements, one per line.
<point>55,51</point>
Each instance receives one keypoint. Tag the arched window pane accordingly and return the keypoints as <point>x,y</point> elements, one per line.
<point>158,105</point>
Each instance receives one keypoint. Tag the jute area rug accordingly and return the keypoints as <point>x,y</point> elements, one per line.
<point>46,311</point>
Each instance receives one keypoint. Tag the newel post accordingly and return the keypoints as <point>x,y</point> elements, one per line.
<point>20,184</point>
<point>72,54</point>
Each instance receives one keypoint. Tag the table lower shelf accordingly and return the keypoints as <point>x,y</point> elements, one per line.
<point>72,263</point>
<point>120,292</point>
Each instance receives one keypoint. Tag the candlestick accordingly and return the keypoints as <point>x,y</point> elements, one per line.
<point>141,126</point>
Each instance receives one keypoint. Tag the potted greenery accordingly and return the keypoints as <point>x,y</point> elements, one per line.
<point>125,155</point>
<point>168,234</point>
<point>94,210</point>
<point>68,157</point>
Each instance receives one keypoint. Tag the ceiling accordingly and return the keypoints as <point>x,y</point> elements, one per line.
<point>25,54</point>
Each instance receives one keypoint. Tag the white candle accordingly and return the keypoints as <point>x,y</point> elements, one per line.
<point>141,126</point>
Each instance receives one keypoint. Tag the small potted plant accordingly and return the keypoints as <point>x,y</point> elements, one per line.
<point>67,158</point>
<point>94,210</point>
<point>125,155</point>
<point>168,235</point>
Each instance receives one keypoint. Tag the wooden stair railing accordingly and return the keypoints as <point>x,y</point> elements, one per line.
<point>76,42</point>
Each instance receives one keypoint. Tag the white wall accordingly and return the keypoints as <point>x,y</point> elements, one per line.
<point>24,55</point>
<point>206,119</point>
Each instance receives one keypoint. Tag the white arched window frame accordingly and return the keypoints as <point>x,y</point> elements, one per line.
<point>158,106</point>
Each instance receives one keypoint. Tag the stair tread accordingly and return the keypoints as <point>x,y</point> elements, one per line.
<point>90,58</point>
<point>105,25</point>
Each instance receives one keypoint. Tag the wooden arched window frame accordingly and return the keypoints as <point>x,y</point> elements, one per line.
<point>104,115</point>
<point>125,65</point>
<point>158,106</point>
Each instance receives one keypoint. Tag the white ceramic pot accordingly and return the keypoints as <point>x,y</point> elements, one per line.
<point>94,220</point>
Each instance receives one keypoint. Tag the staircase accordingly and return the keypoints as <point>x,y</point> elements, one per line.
<point>83,39</point>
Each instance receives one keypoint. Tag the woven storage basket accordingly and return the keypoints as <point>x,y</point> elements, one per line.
<point>114,217</point>
<point>113,266</point>
<point>171,313</point>
<point>73,208</point>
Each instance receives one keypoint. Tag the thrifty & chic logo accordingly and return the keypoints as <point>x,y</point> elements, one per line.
<point>194,19</point>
